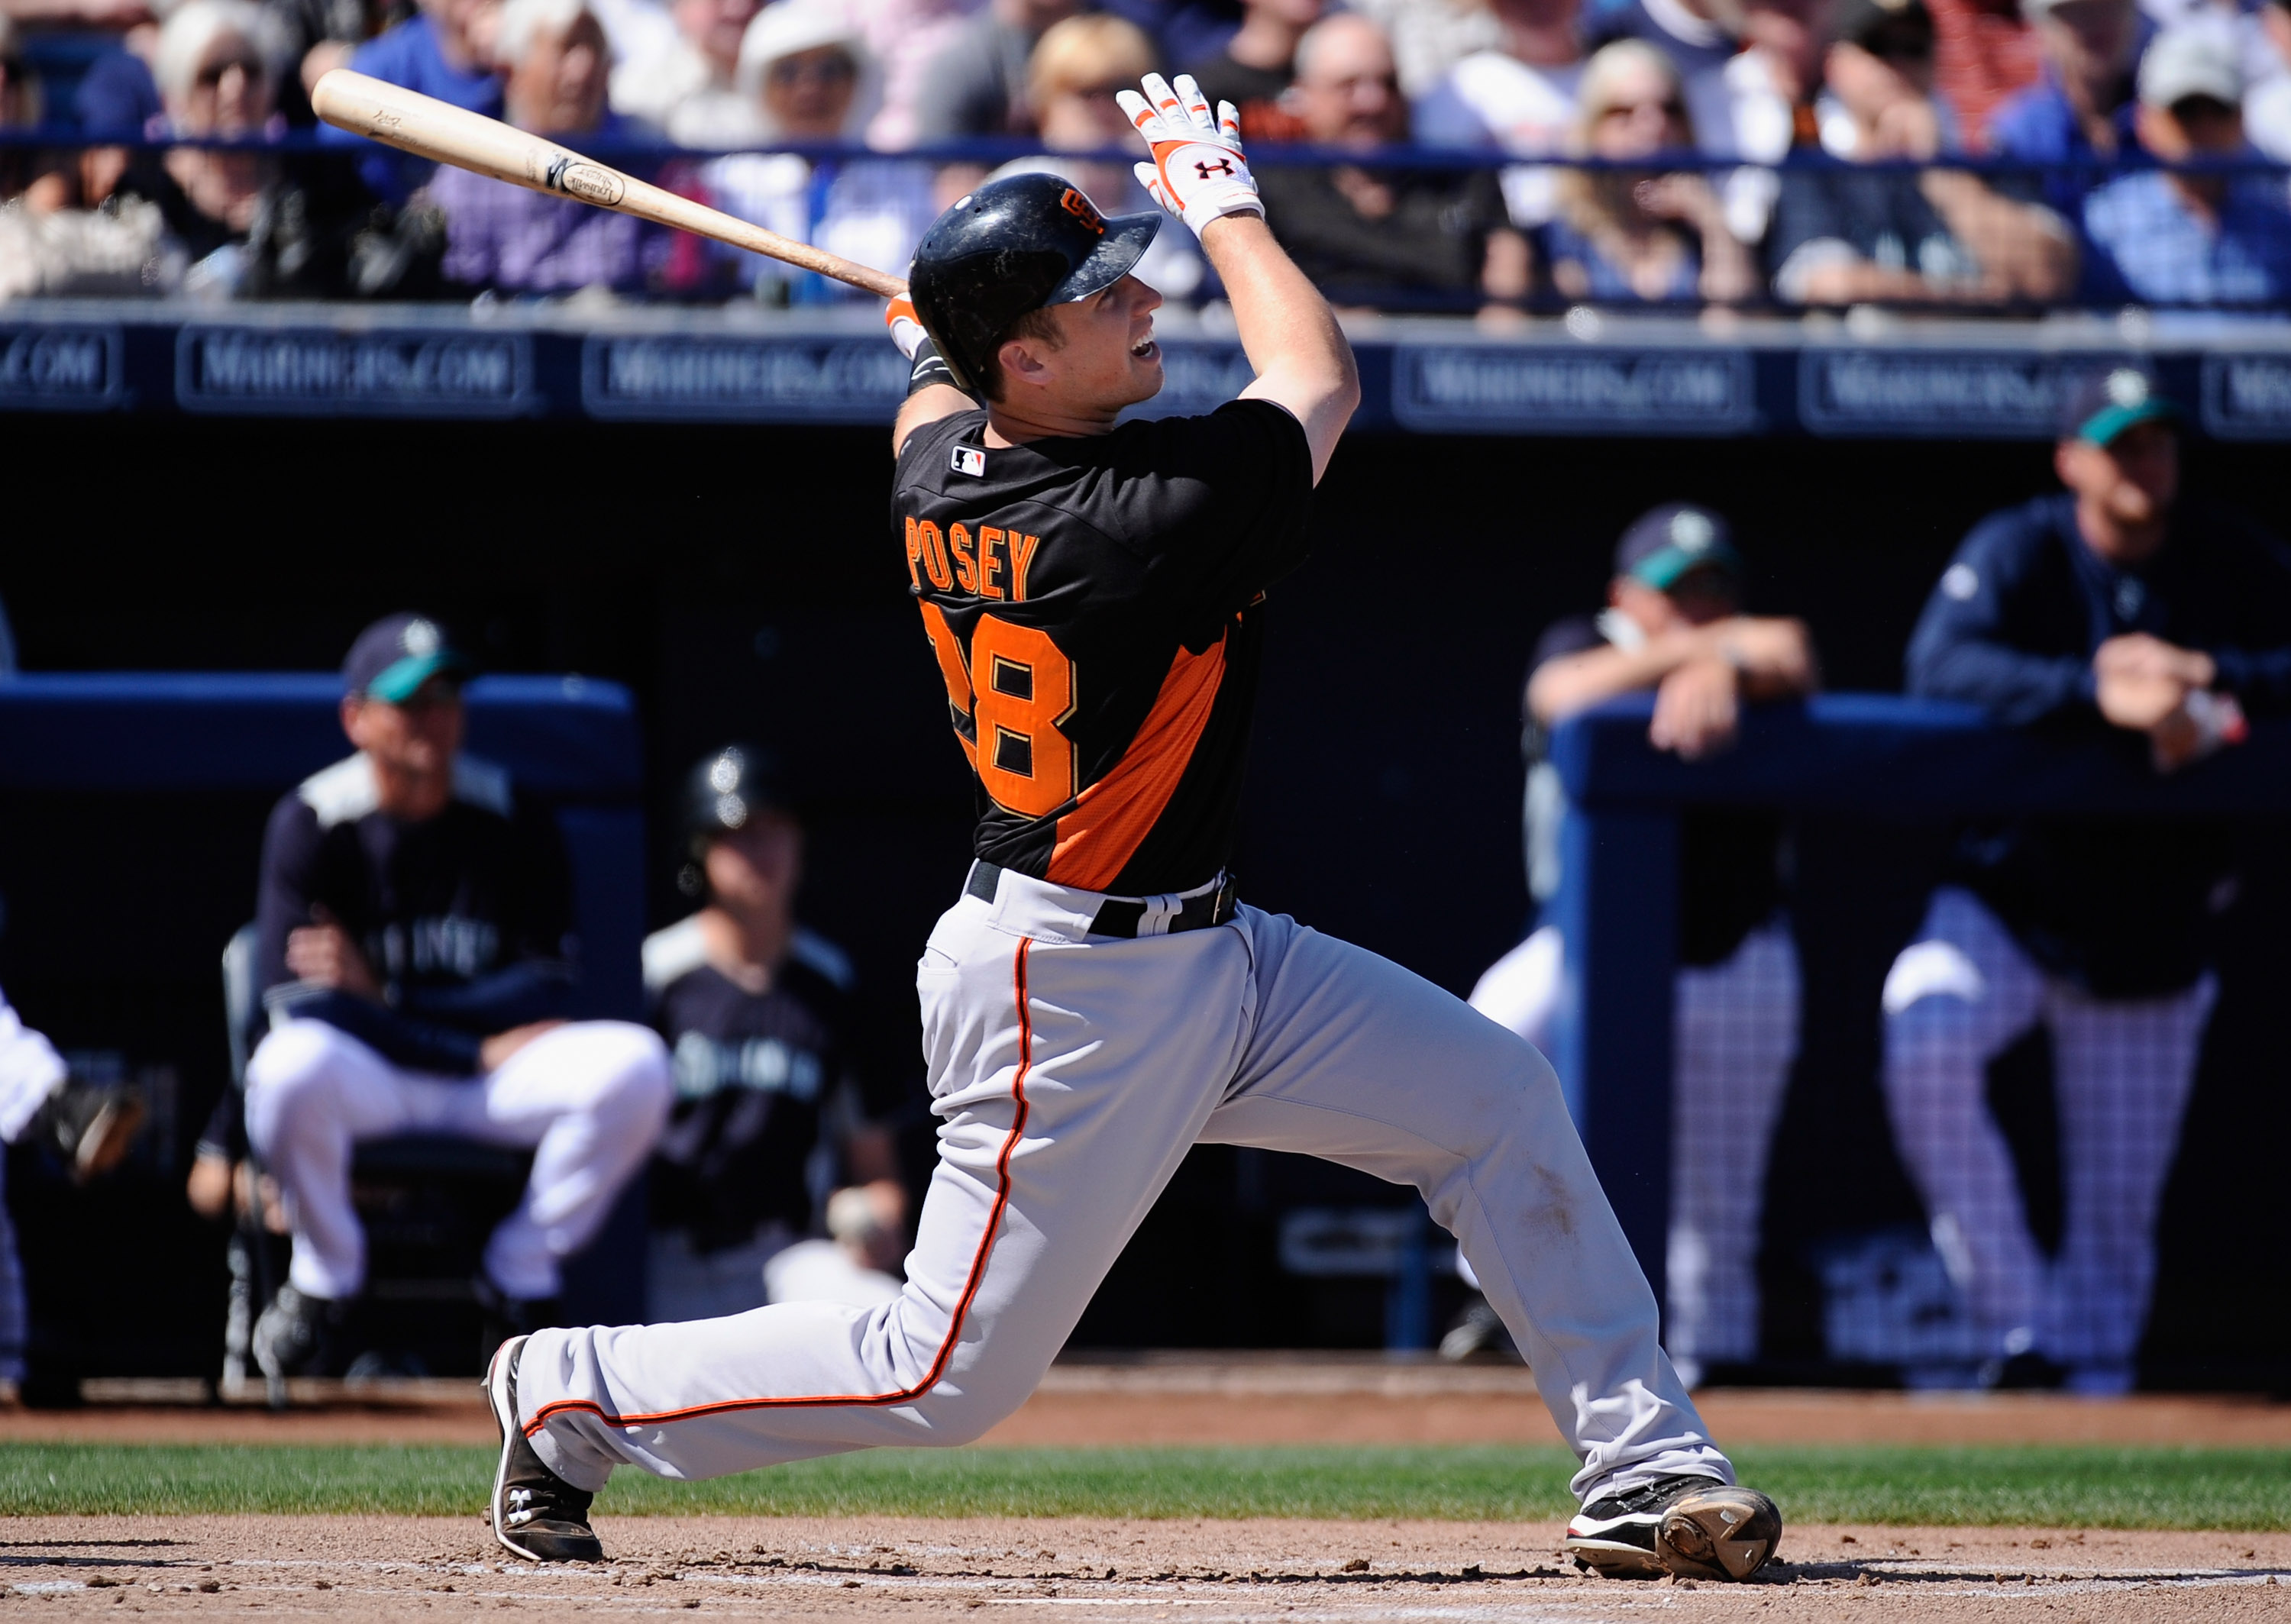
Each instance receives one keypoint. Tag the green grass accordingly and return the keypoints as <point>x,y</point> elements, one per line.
<point>2085,1487</point>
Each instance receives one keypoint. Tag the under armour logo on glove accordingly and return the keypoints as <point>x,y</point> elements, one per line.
<point>1199,172</point>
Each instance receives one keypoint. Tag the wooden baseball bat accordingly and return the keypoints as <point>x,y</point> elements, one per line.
<point>430,128</point>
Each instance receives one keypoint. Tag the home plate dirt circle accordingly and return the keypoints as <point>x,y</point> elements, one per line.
<point>1077,1569</point>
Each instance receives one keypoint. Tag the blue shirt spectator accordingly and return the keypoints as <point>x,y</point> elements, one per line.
<point>117,96</point>
<point>2162,238</point>
<point>2081,111</point>
<point>432,53</point>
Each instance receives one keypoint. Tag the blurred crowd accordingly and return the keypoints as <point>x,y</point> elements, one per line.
<point>1683,110</point>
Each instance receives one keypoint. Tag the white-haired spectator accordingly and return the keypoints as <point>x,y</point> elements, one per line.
<point>1633,235</point>
<point>1071,82</point>
<point>690,86</point>
<point>246,224</point>
<point>507,239</point>
<point>808,76</point>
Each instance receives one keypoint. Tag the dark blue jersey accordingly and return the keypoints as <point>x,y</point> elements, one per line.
<point>757,1073</point>
<point>465,918</point>
<point>2121,908</point>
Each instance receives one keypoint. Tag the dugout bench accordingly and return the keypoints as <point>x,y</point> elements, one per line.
<point>571,743</point>
<point>1860,753</point>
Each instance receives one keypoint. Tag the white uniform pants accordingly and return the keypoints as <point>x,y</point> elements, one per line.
<point>1071,1075</point>
<point>29,1071</point>
<point>1735,1027</point>
<point>588,1098</point>
<point>1956,998</point>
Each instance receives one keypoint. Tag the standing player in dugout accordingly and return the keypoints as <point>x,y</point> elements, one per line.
<point>1096,1001</point>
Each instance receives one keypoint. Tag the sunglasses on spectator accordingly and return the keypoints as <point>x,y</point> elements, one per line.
<point>1916,46</point>
<point>1669,107</point>
<point>210,73</point>
<point>822,70</point>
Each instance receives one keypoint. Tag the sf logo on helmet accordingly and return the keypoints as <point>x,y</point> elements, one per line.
<point>1205,169</point>
<point>1083,209</point>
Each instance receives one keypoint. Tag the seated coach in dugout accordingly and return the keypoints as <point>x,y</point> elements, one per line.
<point>1674,624</point>
<point>774,1108</point>
<point>2115,606</point>
<point>418,956</point>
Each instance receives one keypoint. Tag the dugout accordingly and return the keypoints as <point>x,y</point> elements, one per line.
<point>132,809</point>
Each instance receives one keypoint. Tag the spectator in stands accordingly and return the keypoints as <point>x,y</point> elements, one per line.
<point>809,77</point>
<point>246,224</point>
<point>448,51</point>
<point>773,1106</point>
<point>2267,103</point>
<point>1428,37</point>
<point>906,37</point>
<point>689,86</point>
<point>1076,70</point>
<point>321,34</point>
<point>1674,624</point>
<point>2191,239</point>
<point>2116,607</point>
<point>117,96</point>
<point>1254,68</point>
<point>1984,53</point>
<point>2082,107</point>
<point>1880,235</point>
<point>43,180</point>
<point>1518,97</point>
<point>1699,37</point>
<point>1635,235</point>
<point>977,84</point>
<point>416,949</point>
<point>1377,236</point>
<point>507,239</point>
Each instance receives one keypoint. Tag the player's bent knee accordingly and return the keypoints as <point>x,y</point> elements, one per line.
<point>295,1067</point>
<point>631,1080</point>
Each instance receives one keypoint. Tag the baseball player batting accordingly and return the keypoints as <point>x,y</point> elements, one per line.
<point>1096,1001</point>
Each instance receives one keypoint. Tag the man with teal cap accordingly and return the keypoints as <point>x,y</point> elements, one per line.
<point>416,946</point>
<point>1674,625</point>
<point>2116,606</point>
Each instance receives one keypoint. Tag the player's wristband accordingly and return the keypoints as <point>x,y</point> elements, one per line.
<point>931,368</point>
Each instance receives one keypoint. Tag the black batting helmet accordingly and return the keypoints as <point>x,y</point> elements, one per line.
<point>724,794</point>
<point>1015,246</point>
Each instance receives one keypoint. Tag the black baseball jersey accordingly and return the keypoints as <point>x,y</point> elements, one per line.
<point>1095,608</point>
<point>465,918</point>
<point>755,1072</point>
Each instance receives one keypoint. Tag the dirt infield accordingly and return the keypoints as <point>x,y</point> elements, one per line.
<point>1201,1572</point>
<point>1203,1401</point>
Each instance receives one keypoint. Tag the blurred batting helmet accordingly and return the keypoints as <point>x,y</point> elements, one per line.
<point>1015,246</point>
<point>725,792</point>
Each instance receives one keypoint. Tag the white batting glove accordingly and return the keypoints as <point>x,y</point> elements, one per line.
<point>1198,173</point>
<point>906,327</point>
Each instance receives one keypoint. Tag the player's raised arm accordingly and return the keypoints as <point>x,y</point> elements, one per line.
<point>932,393</point>
<point>1199,175</point>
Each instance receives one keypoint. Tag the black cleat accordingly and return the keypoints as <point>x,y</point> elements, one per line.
<point>535,1514</point>
<point>90,1125</point>
<point>1691,1527</point>
<point>293,1335</point>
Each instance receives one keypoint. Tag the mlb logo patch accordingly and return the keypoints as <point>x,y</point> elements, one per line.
<point>970,460</point>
